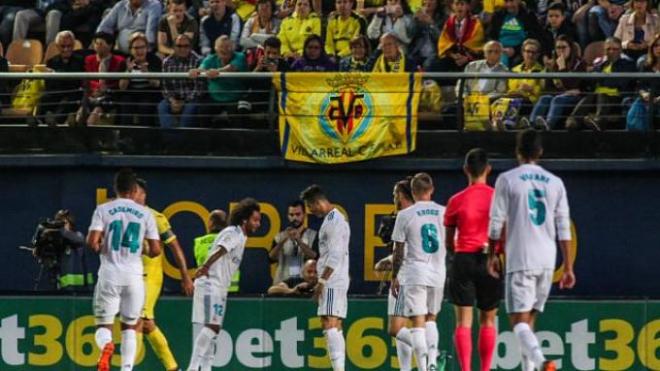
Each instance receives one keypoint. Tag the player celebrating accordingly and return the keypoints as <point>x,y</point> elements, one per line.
<point>418,273</point>
<point>332,286</point>
<point>153,281</point>
<point>117,231</point>
<point>214,279</point>
<point>403,198</point>
<point>532,203</point>
<point>467,214</point>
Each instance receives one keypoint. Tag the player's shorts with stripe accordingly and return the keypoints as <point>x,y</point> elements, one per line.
<point>395,306</point>
<point>209,305</point>
<point>469,281</point>
<point>152,287</point>
<point>333,303</point>
<point>421,300</point>
<point>110,299</point>
<point>527,290</point>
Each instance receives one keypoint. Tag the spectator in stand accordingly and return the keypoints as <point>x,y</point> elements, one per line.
<point>31,17</point>
<point>602,109</point>
<point>180,95</point>
<point>426,31</point>
<point>137,101</point>
<point>511,27</point>
<point>566,93</point>
<point>8,11</point>
<point>5,88</point>
<point>271,60</point>
<point>299,285</point>
<point>62,97</point>
<point>72,14</point>
<point>651,64</point>
<point>314,58</point>
<point>226,93</point>
<point>359,58</point>
<point>603,19</point>
<point>261,26</point>
<point>173,24</point>
<point>99,93</point>
<point>493,88</point>
<point>637,29</point>
<point>558,24</point>
<point>343,26</point>
<point>460,42</point>
<point>395,18</point>
<point>389,57</point>
<point>130,16</point>
<point>297,27</point>
<point>222,21</point>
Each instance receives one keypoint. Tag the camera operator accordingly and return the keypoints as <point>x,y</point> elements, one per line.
<point>292,246</point>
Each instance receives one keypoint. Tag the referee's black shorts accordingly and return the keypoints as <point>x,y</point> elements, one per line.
<point>469,281</point>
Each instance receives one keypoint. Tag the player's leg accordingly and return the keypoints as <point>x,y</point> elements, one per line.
<point>488,294</point>
<point>397,329</point>
<point>487,337</point>
<point>416,310</point>
<point>332,309</point>
<point>433,304</point>
<point>209,308</point>
<point>106,306</point>
<point>130,308</point>
<point>154,335</point>
<point>463,336</point>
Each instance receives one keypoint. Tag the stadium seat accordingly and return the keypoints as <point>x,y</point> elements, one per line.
<point>28,52</point>
<point>52,50</point>
<point>592,52</point>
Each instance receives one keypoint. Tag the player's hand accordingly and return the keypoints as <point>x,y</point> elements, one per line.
<point>318,289</point>
<point>187,285</point>
<point>383,265</point>
<point>395,287</point>
<point>567,280</point>
<point>202,271</point>
<point>494,266</point>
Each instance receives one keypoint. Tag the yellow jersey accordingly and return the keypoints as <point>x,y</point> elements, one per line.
<point>294,31</point>
<point>153,267</point>
<point>339,33</point>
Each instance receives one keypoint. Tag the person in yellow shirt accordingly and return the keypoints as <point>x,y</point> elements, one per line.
<point>153,282</point>
<point>297,27</point>
<point>343,26</point>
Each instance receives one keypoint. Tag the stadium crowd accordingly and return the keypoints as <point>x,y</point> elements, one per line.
<point>216,36</point>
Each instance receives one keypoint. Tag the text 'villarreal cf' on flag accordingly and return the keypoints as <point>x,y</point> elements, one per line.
<point>343,117</point>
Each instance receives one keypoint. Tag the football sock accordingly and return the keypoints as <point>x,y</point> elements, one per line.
<point>487,337</point>
<point>204,340</point>
<point>160,346</point>
<point>102,336</point>
<point>128,349</point>
<point>336,348</point>
<point>208,357</point>
<point>404,349</point>
<point>432,343</point>
<point>529,343</point>
<point>463,342</point>
<point>419,346</point>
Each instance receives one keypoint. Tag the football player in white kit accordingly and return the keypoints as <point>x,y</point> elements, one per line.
<point>116,233</point>
<point>531,204</point>
<point>332,286</point>
<point>418,273</point>
<point>213,279</point>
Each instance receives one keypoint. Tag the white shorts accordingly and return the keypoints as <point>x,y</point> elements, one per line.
<point>394,305</point>
<point>209,305</point>
<point>333,303</point>
<point>421,300</point>
<point>110,299</point>
<point>527,290</point>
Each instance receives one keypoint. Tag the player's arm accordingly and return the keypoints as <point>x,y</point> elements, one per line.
<point>498,212</point>
<point>94,240</point>
<point>563,223</point>
<point>204,269</point>
<point>154,248</point>
<point>186,281</point>
<point>306,249</point>
<point>397,261</point>
<point>450,235</point>
<point>281,289</point>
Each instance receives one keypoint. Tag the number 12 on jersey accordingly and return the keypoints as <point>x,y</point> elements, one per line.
<point>128,238</point>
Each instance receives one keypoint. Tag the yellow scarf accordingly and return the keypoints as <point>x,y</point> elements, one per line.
<point>382,66</point>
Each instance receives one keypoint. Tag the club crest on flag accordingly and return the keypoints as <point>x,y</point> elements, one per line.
<point>346,112</point>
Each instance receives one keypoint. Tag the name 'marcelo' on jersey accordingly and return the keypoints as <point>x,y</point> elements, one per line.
<point>420,227</point>
<point>531,203</point>
<point>334,236</point>
<point>233,240</point>
<point>125,224</point>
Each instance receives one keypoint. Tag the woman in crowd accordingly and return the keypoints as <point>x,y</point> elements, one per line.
<point>357,61</point>
<point>262,25</point>
<point>637,118</point>
<point>395,18</point>
<point>637,29</point>
<point>426,31</point>
<point>296,28</point>
<point>314,58</point>
<point>138,101</point>
<point>551,108</point>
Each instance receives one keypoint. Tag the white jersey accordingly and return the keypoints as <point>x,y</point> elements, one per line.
<point>334,236</point>
<point>233,240</point>
<point>531,202</point>
<point>125,224</point>
<point>420,227</point>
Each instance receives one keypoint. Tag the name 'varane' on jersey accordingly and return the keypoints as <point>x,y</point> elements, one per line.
<point>532,203</point>
<point>233,240</point>
<point>125,224</point>
<point>420,227</point>
<point>334,236</point>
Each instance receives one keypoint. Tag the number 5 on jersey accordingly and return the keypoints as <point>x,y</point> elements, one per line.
<point>128,238</point>
<point>537,209</point>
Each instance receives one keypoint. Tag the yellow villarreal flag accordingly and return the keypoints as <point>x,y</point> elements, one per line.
<point>344,117</point>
